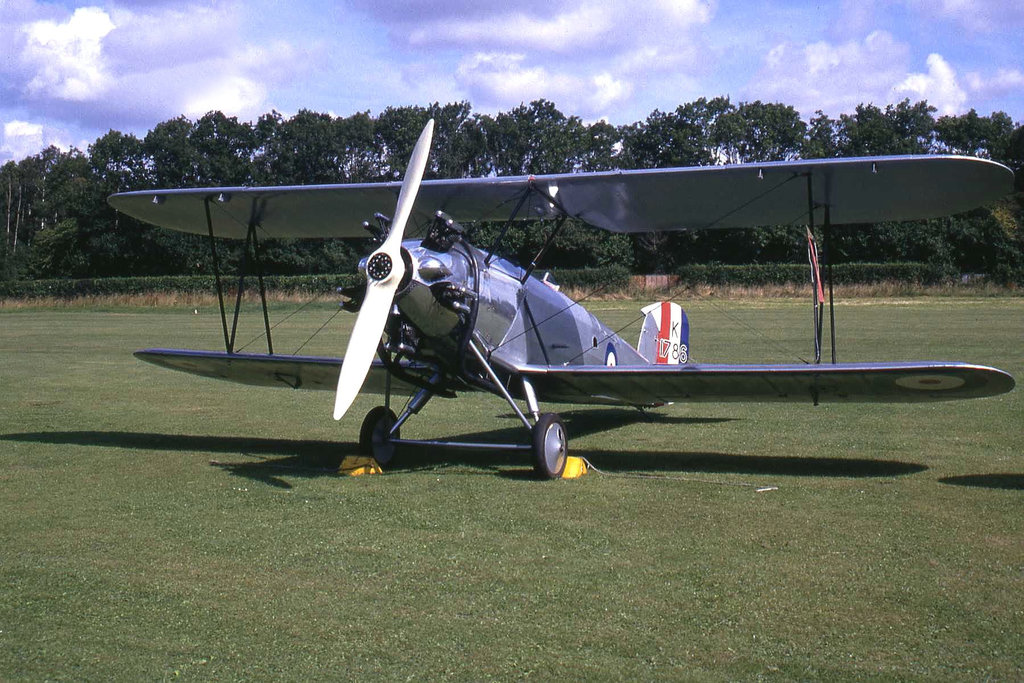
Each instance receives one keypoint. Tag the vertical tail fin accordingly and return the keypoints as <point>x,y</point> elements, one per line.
<point>665,335</point>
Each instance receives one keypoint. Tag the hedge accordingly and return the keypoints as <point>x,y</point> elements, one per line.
<point>796,273</point>
<point>610,279</point>
<point>171,284</point>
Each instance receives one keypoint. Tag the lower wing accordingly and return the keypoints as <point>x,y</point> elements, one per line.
<point>297,372</point>
<point>641,385</point>
<point>909,382</point>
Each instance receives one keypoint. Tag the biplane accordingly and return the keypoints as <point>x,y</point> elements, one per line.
<point>440,316</point>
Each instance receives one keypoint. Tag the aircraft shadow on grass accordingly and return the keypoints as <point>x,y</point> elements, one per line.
<point>1013,482</point>
<point>301,458</point>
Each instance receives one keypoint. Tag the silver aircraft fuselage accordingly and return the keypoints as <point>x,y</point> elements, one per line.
<point>458,294</point>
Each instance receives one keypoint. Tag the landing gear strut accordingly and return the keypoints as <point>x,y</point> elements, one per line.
<point>549,447</point>
<point>549,444</point>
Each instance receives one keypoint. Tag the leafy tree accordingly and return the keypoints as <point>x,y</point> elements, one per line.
<point>973,135</point>
<point>685,137</point>
<point>11,196</point>
<point>394,137</point>
<point>600,147</point>
<point>119,163</point>
<point>535,139</point>
<point>755,131</point>
<point>174,160</point>
<point>460,145</point>
<point>1014,156</point>
<point>354,136</point>
<point>57,251</point>
<point>822,140</point>
<point>56,221</point>
<point>225,148</point>
<point>902,128</point>
<point>313,148</point>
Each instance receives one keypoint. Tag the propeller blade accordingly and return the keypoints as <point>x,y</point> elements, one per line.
<point>385,269</point>
<point>410,186</point>
<point>362,345</point>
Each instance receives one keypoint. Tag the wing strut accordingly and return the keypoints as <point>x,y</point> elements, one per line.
<point>251,244</point>
<point>828,276</point>
<point>563,214</point>
<point>817,295</point>
<point>827,224</point>
<point>504,229</point>
<point>531,187</point>
<point>544,248</point>
<point>216,273</point>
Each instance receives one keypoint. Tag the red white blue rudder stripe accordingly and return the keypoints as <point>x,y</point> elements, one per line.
<point>665,335</point>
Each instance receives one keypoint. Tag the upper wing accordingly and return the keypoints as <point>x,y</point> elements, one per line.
<point>847,382</point>
<point>859,190</point>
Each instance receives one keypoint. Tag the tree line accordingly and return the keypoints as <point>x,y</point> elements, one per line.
<point>58,224</point>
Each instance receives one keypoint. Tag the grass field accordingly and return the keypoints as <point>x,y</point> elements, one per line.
<point>158,526</point>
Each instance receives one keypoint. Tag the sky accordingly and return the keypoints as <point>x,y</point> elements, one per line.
<point>72,70</point>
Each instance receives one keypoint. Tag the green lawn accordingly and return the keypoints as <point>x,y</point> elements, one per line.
<point>157,525</point>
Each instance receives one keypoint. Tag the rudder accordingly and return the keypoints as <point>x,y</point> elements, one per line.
<point>665,335</point>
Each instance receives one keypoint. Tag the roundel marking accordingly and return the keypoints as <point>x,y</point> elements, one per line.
<point>930,382</point>
<point>609,356</point>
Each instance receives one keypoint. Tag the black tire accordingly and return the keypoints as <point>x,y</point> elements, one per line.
<point>373,435</point>
<point>550,447</point>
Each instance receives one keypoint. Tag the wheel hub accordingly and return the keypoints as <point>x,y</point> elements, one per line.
<point>554,446</point>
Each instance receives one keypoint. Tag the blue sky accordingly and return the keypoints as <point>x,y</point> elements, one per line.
<point>70,71</point>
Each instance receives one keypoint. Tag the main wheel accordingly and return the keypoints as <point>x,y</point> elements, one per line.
<point>550,446</point>
<point>374,435</point>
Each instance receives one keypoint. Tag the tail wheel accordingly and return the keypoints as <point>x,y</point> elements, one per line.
<point>374,435</point>
<point>550,446</point>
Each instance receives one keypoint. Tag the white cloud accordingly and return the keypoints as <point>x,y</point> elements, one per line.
<point>561,33</point>
<point>1004,81</point>
<point>501,77</point>
<point>66,59</point>
<point>939,86</point>
<point>83,66</point>
<point>503,80</point>
<point>579,29</point>
<point>131,66</point>
<point>608,90</point>
<point>833,78</point>
<point>982,16</point>
<point>23,138</point>
<point>234,95</point>
<point>163,36</point>
<point>590,58</point>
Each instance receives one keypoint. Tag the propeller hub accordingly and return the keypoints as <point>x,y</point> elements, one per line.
<point>379,266</point>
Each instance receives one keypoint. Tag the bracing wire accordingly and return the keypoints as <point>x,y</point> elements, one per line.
<point>319,329</point>
<point>531,328</point>
<point>750,328</point>
<point>614,333</point>
<point>274,326</point>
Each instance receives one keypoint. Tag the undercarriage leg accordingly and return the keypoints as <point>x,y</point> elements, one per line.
<point>414,406</point>
<point>531,400</point>
<point>499,385</point>
<point>380,433</point>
